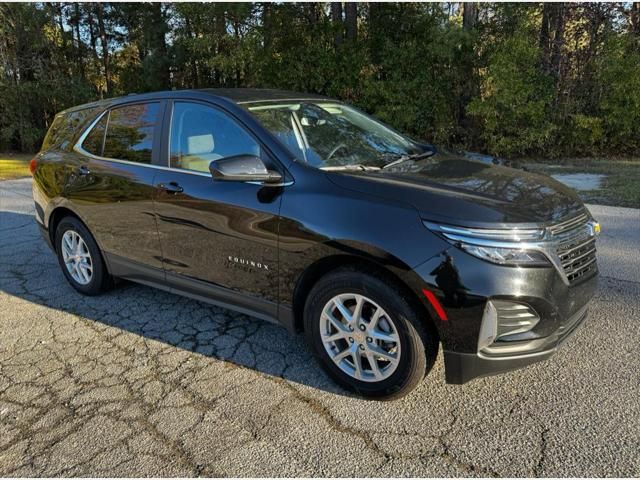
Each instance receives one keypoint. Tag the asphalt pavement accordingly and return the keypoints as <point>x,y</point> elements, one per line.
<point>139,382</point>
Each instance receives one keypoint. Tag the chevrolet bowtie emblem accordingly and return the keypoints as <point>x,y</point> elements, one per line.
<point>594,228</point>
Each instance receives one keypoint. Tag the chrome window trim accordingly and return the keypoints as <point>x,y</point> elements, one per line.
<point>171,105</point>
<point>547,244</point>
<point>78,149</point>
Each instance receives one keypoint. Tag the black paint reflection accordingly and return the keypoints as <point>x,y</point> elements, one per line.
<point>448,280</point>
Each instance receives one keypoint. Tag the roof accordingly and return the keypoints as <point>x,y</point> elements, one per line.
<point>249,95</point>
<point>236,95</point>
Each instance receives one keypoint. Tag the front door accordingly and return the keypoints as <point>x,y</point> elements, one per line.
<point>220,232</point>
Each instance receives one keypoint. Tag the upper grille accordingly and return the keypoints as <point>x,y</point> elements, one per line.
<point>576,248</point>
<point>577,222</point>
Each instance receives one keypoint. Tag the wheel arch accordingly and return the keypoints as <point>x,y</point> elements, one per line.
<point>56,215</point>
<point>314,272</point>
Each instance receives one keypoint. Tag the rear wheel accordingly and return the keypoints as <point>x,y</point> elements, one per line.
<point>367,336</point>
<point>80,258</point>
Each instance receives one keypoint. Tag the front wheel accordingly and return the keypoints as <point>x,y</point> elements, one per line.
<point>367,336</point>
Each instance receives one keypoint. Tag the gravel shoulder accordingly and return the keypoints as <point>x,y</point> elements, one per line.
<point>139,382</point>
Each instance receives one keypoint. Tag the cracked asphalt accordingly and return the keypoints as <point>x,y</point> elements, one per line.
<point>139,382</point>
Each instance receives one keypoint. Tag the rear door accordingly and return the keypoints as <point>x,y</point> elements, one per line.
<point>112,185</point>
<point>219,232</point>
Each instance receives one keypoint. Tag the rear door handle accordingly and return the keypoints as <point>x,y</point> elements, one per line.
<point>171,187</point>
<point>83,171</point>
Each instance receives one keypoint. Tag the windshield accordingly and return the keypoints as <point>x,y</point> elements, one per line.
<point>327,135</point>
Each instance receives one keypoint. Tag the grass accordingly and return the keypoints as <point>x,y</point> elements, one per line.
<point>620,187</point>
<point>14,165</point>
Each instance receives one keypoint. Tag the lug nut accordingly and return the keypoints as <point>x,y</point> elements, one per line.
<point>351,327</point>
<point>361,347</point>
<point>363,328</point>
<point>351,339</point>
<point>369,339</point>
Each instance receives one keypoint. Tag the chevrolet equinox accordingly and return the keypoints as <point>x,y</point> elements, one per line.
<point>303,210</point>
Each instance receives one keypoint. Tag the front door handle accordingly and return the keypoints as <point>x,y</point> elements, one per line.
<point>171,187</point>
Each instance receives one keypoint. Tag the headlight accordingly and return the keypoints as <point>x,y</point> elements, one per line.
<point>502,246</point>
<point>506,256</point>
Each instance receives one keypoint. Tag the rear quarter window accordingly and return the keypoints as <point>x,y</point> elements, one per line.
<point>94,141</point>
<point>66,127</point>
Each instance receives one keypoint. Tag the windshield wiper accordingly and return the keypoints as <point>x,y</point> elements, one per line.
<point>352,168</point>
<point>410,158</point>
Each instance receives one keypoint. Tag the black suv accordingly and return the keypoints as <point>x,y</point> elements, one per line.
<point>303,210</point>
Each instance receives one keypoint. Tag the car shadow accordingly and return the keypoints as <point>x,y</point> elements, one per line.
<point>29,270</point>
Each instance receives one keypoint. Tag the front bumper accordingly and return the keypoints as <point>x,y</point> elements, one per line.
<point>462,367</point>
<point>463,293</point>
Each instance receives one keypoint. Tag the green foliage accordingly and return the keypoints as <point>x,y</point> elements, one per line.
<point>501,84</point>
<point>32,88</point>
<point>585,135</point>
<point>514,107</point>
<point>419,80</point>
<point>619,105</point>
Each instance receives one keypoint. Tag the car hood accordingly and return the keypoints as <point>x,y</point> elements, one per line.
<point>453,189</point>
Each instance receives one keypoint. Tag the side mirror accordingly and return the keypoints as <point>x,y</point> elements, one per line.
<point>243,168</point>
<point>428,149</point>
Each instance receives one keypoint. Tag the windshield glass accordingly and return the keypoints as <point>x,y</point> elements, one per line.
<point>329,135</point>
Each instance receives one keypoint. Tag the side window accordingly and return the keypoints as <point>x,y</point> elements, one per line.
<point>94,141</point>
<point>66,127</point>
<point>279,121</point>
<point>201,134</point>
<point>130,132</point>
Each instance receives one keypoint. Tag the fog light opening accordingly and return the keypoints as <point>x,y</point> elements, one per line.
<point>489,327</point>
<point>503,321</point>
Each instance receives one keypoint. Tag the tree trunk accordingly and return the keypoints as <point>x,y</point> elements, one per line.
<point>195,83</point>
<point>159,44</point>
<point>79,44</point>
<point>220,31</point>
<point>351,20</point>
<point>60,15</point>
<point>469,15</point>
<point>238,72</point>
<point>313,13</point>
<point>552,38</point>
<point>469,85</point>
<point>634,19</point>
<point>336,20</point>
<point>104,43</point>
<point>267,27</point>
<point>375,31</point>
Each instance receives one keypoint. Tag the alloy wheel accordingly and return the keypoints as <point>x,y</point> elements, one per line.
<point>76,257</point>
<point>360,337</point>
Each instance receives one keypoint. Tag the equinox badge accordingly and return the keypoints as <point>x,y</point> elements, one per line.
<point>248,263</point>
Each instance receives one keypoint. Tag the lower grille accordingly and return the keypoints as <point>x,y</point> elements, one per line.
<point>514,318</point>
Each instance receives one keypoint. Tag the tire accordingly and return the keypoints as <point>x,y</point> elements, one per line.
<point>411,357</point>
<point>92,262</point>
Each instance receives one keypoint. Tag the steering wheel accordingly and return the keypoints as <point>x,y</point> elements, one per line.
<point>339,147</point>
